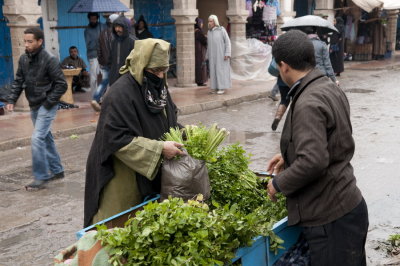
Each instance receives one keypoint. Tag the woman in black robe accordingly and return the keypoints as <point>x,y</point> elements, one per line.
<point>337,47</point>
<point>142,30</point>
<point>200,53</point>
<point>124,160</point>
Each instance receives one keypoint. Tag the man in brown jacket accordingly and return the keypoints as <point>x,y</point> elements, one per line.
<point>313,170</point>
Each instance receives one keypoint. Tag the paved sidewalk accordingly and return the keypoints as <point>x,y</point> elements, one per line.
<point>17,126</point>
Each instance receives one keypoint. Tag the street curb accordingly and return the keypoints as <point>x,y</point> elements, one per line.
<point>206,106</point>
<point>386,67</point>
<point>184,110</point>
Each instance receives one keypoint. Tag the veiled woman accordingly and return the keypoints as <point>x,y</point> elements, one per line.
<point>126,153</point>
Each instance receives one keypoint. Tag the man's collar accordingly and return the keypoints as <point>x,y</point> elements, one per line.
<point>304,81</point>
<point>293,89</point>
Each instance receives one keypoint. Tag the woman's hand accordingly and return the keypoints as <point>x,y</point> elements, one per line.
<point>171,149</point>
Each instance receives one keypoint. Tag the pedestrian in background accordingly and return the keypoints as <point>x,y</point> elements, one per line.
<point>321,53</point>
<point>336,50</point>
<point>218,55</point>
<point>92,34</point>
<point>79,82</point>
<point>121,46</point>
<point>39,74</point>
<point>142,30</point>
<point>313,169</point>
<point>200,42</point>
<point>124,161</point>
<point>103,54</point>
<point>283,90</point>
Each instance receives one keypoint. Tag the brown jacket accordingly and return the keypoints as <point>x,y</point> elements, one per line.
<point>317,146</point>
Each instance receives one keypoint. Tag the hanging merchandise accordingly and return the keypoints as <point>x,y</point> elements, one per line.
<point>249,8</point>
<point>262,24</point>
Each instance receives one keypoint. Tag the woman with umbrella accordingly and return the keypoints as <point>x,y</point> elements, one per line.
<point>309,25</point>
<point>322,60</point>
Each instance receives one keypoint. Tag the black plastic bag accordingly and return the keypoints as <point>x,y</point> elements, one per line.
<point>184,178</point>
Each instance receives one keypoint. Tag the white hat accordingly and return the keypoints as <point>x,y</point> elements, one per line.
<point>113,17</point>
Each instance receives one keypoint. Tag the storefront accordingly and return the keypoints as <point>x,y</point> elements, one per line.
<point>368,32</point>
<point>262,20</point>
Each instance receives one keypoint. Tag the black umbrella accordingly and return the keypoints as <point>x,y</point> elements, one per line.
<point>309,20</point>
<point>99,6</point>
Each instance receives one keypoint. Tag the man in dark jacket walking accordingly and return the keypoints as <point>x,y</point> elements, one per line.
<point>121,46</point>
<point>40,75</point>
<point>103,54</point>
<point>313,169</point>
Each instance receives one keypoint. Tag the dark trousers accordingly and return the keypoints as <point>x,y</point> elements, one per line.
<point>341,242</point>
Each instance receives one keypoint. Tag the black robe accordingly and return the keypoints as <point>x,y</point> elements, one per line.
<point>124,116</point>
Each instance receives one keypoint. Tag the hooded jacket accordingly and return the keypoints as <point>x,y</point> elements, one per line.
<point>121,46</point>
<point>40,75</point>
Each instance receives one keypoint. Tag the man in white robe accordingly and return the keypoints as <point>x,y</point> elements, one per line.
<point>218,54</point>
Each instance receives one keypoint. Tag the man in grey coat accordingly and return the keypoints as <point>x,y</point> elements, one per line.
<point>313,169</point>
<point>92,33</point>
<point>218,55</point>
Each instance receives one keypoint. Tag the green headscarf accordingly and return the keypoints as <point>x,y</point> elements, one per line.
<point>148,53</point>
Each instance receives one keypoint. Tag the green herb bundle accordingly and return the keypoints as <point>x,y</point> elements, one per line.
<point>178,233</point>
<point>200,142</point>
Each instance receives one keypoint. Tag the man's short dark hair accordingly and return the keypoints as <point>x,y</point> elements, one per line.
<point>93,14</point>
<point>73,47</point>
<point>36,31</point>
<point>295,49</point>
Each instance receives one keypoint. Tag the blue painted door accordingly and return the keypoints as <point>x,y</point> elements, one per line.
<point>6,63</point>
<point>157,14</point>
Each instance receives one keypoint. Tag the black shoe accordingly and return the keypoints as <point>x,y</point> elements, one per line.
<point>36,185</point>
<point>57,176</point>
<point>275,124</point>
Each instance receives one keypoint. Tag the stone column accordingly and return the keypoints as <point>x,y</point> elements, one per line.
<point>392,28</point>
<point>21,14</point>
<point>287,12</point>
<point>325,7</point>
<point>185,13</point>
<point>237,15</point>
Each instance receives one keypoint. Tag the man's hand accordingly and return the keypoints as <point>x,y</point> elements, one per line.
<point>337,83</point>
<point>271,191</point>
<point>10,107</point>
<point>226,57</point>
<point>275,165</point>
<point>171,149</point>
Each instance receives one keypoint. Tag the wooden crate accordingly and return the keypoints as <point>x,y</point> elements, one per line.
<point>362,52</point>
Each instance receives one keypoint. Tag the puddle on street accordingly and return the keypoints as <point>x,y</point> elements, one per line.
<point>243,136</point>
<point>73,189</point>
<point>356,90</point>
